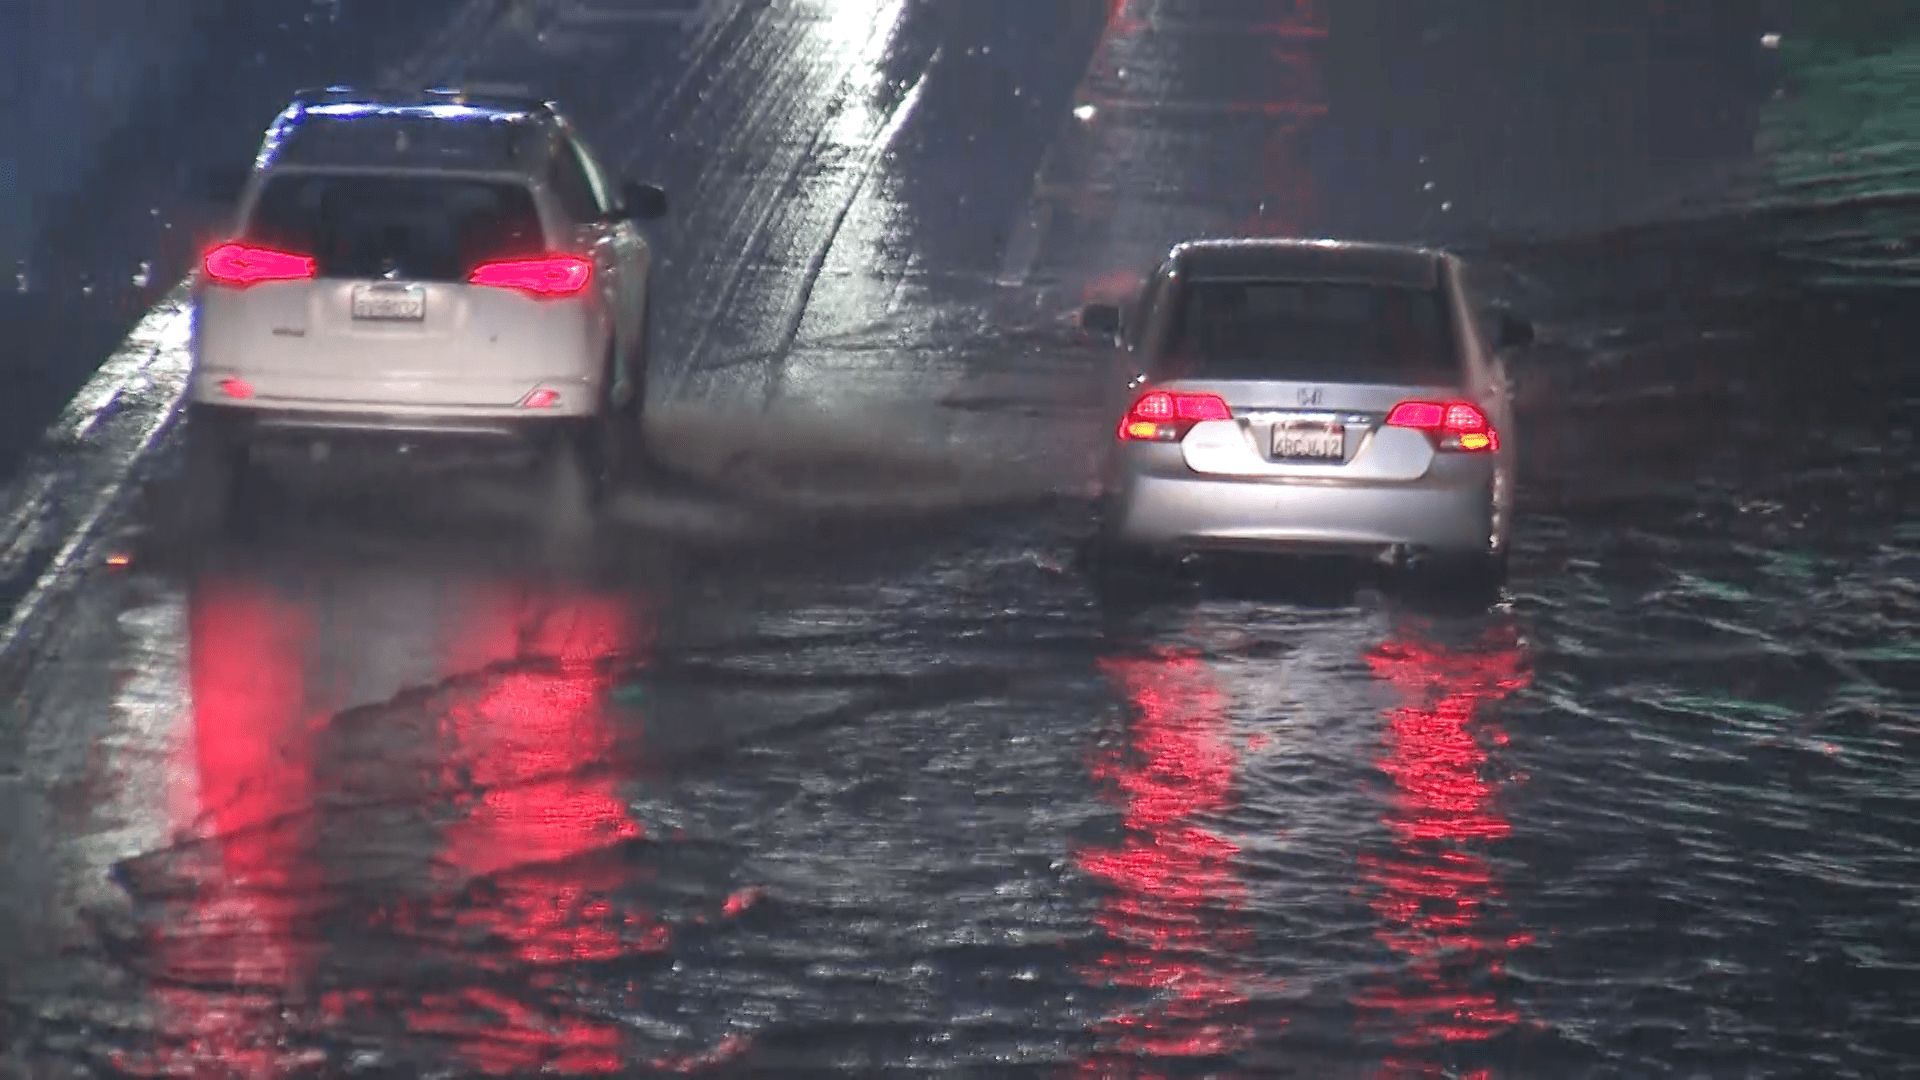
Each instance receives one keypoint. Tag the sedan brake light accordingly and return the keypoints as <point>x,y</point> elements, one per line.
<point>555,275</point>
<point>239,265</point>
<point>1453,425</point>
<point>1165,416</point>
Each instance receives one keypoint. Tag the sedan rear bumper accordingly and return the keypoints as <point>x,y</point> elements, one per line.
<point>1448,517</point>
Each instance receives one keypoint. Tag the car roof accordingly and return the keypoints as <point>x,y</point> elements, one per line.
<point>455,129</point>
<point>1308,260</point>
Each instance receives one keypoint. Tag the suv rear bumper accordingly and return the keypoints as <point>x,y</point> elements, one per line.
<point>308,430</point>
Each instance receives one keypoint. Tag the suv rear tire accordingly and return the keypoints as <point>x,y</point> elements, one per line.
<point>571,481</point>
<point>631,413</point>
<point>215,467</point>
<point>616,433</point>
<point>638,363</point>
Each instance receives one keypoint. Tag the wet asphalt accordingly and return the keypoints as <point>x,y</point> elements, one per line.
<point>829,756</point>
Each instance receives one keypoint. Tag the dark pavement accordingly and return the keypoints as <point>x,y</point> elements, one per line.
<point>831,757</point>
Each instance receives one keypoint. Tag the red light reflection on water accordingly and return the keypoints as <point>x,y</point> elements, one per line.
<point>531,739</point>
<point>227,966</point>
<point>531,881</point>
<point>1174,881</point>
<point>1434,892</point>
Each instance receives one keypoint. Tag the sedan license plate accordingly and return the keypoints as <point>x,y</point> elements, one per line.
<point>388,303</point>
<point>1310,440</point>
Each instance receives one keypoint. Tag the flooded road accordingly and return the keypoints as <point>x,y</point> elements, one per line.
<point>830,757</point>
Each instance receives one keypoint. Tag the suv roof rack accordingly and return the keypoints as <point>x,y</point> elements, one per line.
<point>514,96</point>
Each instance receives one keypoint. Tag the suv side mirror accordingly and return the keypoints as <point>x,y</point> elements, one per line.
<point>1100,318</point>
<point>223,183</point>
<point>1515,332</point>
<point>642,202</point>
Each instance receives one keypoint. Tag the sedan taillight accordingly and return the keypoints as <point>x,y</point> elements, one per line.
<point>1164,416</point>
<point>1453,425</point>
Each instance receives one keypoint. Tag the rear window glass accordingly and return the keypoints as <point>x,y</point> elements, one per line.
<point>419,228</point>
<point>1311,331</point>
<point>444,137</point>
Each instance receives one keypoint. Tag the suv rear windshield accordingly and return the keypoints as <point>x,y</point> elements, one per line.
<point>442,137</point>
<point>419,228</point>
<point>1313,332</point>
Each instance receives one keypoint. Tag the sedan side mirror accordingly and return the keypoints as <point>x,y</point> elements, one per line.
<point>642,202</point>
<point>1515,332</point>
<point>224,183</point>
<point>1100,318</point>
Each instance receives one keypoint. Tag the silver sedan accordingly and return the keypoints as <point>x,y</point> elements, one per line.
<point>1311,397</point>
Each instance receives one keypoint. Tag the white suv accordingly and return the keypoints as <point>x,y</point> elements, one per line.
<point>406,270</point>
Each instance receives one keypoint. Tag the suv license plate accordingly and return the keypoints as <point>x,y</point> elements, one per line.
<point>388,303</point>
<point>1310,440</point>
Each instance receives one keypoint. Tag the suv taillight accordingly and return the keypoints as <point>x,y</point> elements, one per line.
<point>556,275</point>
<point>1164,416</point>
<point>238,266</point>
<point>1453,425</point>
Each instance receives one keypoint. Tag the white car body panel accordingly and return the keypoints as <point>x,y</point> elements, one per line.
<point>297,345</point>
<point>476,351</point>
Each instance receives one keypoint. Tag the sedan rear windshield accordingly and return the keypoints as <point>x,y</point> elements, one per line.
<point>419,228</point>
<point>1313,332</point>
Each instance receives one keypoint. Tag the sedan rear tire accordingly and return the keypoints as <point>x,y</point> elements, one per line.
<point>1489,572</point>
<point>1476,577</point>
<point>1122,569</point>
